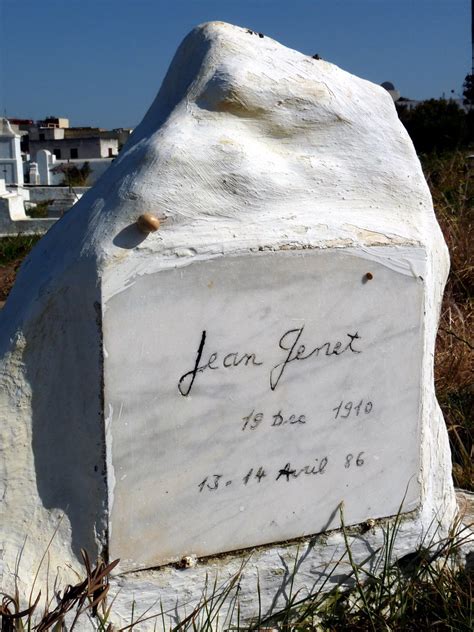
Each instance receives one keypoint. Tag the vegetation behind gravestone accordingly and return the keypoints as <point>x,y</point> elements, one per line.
<point>468,90</point>
<point>74,176</point>
<point>443,135</point>
<point>438,125</point>
<point>12,252</point>
<point>452,186</point>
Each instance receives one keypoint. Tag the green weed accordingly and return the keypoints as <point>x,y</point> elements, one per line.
<point>16,247</point>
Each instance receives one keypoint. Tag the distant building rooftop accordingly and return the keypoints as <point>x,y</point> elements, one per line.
<point>54,121</point>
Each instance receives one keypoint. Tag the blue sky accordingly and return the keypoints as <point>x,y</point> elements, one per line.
<point>101,62</point>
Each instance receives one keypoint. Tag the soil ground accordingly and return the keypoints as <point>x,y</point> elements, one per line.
<point>7,278</point>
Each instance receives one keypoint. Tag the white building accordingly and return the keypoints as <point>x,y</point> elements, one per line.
<point>73,143</point>
<point>11,167</point>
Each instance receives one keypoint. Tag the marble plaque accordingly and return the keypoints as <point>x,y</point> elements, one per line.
<point>248,396</point>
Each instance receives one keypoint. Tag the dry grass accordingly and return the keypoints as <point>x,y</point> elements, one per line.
<point>423,590</point>
<point>452,186</point>
<point>86,598</point>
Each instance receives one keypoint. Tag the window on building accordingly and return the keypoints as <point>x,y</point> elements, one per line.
<point>111,152</point>
<point>74,152</point>
<point>57,153</point>
<point>41,136</point>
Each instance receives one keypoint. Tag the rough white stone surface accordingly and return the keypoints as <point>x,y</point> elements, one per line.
<point>249,146</point>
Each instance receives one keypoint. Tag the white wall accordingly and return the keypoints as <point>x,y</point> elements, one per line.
<point>106,144</point>
<point>86,148</point>
<point>11,167</point>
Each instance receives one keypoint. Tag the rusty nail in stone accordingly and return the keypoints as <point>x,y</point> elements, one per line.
<point>148,223</point>
<point>369,276</point>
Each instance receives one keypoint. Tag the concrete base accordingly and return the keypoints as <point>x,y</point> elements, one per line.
<point>14,221</point>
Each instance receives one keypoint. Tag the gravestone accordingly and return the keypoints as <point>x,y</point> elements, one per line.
<point>254,372</point>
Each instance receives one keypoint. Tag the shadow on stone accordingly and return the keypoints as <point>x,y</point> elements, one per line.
<point>64,369</point>
<point>129,238</point>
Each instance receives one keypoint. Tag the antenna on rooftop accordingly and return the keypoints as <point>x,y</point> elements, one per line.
<point>472,36</point>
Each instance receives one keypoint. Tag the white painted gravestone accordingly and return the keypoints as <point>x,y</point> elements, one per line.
<point>255,370</point>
